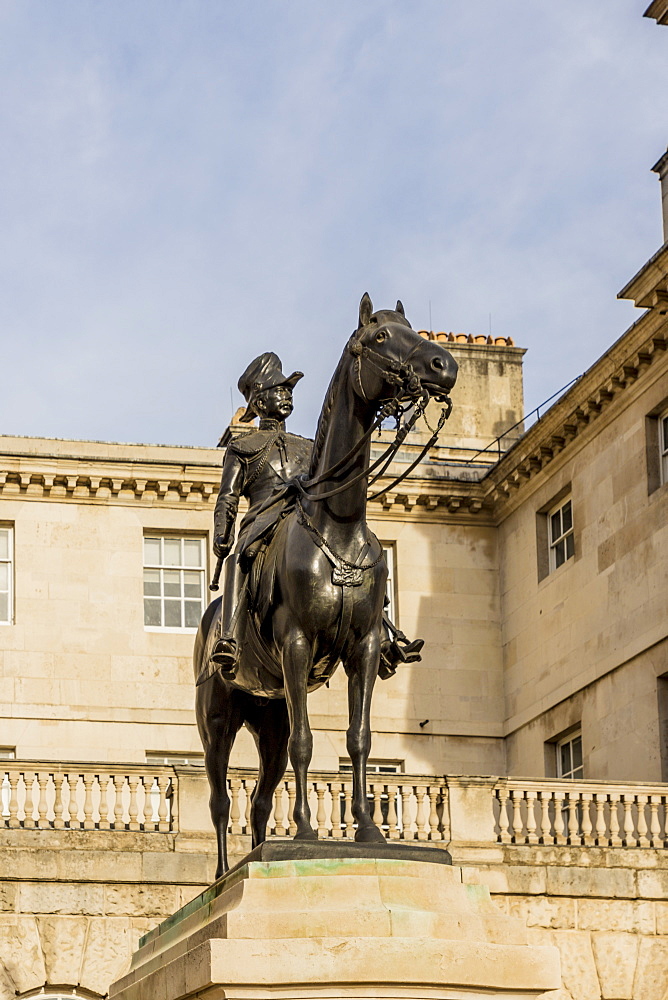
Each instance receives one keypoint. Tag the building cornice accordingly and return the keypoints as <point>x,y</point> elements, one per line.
<point>658,9</point>
<point>649,287</point>
<point>626,363</point>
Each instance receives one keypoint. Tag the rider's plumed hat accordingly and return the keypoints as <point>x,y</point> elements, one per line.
<point>263,373</point>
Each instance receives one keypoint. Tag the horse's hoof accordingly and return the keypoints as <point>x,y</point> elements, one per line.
<point>306,835</point>
<point>369,835</point>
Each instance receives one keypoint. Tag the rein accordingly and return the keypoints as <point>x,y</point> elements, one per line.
<point>402,375</point>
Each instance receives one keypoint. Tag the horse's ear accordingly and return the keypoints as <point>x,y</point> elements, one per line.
<point>366,310</point>
<point>400,308</point>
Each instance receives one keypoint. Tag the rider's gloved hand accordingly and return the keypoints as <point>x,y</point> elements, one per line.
<point>221,546</point>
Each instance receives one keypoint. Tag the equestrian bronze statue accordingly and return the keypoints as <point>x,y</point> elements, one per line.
<point>305,587</point>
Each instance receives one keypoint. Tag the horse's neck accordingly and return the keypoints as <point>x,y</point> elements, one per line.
<point>343,517</point>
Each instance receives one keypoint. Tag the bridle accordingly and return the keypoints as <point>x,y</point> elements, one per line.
<point>409,387</point>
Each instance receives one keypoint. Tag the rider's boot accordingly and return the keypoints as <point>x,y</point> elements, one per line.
<point>394,651</point>
<point>226,652</point>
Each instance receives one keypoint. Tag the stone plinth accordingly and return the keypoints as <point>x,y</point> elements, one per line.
<point>335,926</point>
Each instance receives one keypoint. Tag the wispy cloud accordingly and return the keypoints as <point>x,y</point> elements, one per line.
<point>188,184</point>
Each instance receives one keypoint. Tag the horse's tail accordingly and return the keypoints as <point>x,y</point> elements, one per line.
<point>203,632</point>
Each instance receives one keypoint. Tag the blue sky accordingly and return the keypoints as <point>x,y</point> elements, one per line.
<point>187,183</point>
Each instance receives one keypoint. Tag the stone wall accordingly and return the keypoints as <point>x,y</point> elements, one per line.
<point>585,644</point>
<point>74,905</point>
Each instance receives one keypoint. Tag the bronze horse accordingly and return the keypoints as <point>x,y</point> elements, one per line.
<point>316,596</point>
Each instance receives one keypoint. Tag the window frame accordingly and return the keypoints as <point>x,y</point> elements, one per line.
<point>566,535</point>
<point>390,553</point>
<point>202,570</point>
<point>9,561</point>
<point>662,444</point>
<point>567,741</point>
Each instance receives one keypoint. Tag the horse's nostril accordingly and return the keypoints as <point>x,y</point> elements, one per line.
<point>437,364</point>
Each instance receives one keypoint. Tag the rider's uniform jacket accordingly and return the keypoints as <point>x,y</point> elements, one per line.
<point>257,466</point>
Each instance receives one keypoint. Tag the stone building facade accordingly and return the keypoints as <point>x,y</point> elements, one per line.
<point>531,740</point>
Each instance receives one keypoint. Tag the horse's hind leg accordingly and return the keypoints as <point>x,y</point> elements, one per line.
<point>271,737</point>
<point>361,665</point>
<point>218,732</point>
<point>296,667</point>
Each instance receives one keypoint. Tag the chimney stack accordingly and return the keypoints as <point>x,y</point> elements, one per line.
<point>661,168</point>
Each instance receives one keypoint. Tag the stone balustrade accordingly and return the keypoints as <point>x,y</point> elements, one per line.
<point>77,796</point>
<point>438,810</point>
<point>581,813</point>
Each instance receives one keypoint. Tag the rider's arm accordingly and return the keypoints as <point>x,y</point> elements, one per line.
<point>231,485</point>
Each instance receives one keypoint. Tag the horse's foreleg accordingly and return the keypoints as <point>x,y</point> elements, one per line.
<point>361,665</point>
<point>218,728</point>
<point>271,738</point>
<point>296,666</point>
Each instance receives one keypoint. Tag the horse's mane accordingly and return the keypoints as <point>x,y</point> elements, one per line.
<point>325,414</point>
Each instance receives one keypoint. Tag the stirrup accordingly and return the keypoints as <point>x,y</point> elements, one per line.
<point>396,651</point>
<point>226,656</point>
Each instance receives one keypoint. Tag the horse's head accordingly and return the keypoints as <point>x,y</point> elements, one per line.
<point>394,362</point>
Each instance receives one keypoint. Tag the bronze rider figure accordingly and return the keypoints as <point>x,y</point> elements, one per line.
<point>259,466</point>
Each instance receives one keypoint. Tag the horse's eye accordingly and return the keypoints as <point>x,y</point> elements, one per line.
<point>381,336</point>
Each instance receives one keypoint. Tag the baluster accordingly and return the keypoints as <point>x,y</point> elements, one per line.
<point>133,808</point>
<point>518,826</point>
<point>235,811</point>
<point>14,822</point>
<point>573,824</point>
<point>532,836</point>
<point>654,825</point>
<point>504,834</point>
<point>29,808</point>
<point>586,826</point>
<point>377,790</point>
<point>629,826</point>
<point>445,798</point>
<point>434,832</point>
<point>163,811</point>
<point>292,798</point>
<point>249,786</point>
<point>151,794</point>
<point>173,800</point>
<point>664,822</point>
<point>615,839</point>
<point>42,804</point>
<point>421,813</point>
<point>279,827</point>
<point>119,784</point>
<point>560,818</point>
<point>58,804</point>
<point>72,810</point>
<point>546,836</point>
<point>321,815</point>
<point>601,827</point>
<point>338,799</point>
<point>348,810</point>
<point>88,823</point>
<point>404,825</point>
<point>392,827</point>
<point>104,824</point>
<point>642,821</point>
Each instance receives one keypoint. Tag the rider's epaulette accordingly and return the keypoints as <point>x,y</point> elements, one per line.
<point>249,444</point>
<point>252,444</point>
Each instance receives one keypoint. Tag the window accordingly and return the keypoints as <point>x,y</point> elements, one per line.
<point>173,581</point>
<point>174,758</point>
<point>560,532</point>
<point>391,609</point>
<point>569,756</point>
<point>374,766</point>
<point>6,575</point>
<point>663,447</point>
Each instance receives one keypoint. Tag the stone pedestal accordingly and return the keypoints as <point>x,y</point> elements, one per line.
<point>399,925</point>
